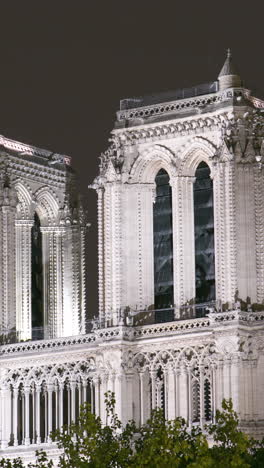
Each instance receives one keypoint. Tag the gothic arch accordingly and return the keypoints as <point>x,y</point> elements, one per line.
<point>193,153</point>
<point>150,161</point>
<point>47,206</point>
<point>25,205</point>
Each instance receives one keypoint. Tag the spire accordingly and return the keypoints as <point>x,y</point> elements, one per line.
<point>228,76</point>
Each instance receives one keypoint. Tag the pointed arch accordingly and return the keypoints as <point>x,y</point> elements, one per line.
<point>193,153</point>
<point>150,161</point>
<point>25,206</point>
<point>47,206</point>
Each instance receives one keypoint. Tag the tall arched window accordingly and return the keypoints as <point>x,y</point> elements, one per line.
<point>204,235</point>
<point>36,280</point>
<point>163,252</point>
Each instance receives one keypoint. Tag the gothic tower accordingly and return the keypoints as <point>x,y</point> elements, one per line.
<point>42,244</point>
<point>180,197</point>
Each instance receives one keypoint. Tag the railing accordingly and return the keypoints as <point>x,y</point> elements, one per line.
<point>171,314</point>
<point>130,318</point>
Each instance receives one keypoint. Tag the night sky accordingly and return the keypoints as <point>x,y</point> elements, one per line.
<point>66,64</point>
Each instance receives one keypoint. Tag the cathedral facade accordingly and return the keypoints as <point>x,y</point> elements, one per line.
<point>181,270</point>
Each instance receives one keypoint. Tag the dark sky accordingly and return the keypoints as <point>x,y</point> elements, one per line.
<point>65,65</point>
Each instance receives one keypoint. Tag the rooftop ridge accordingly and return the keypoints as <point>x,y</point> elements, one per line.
<point>30,150</point>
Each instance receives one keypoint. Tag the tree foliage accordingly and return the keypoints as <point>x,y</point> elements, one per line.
<point>157,444</point>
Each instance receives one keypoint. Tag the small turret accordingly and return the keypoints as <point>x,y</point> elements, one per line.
<point>228,77</point>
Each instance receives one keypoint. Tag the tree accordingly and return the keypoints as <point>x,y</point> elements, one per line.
<point>157,444</point>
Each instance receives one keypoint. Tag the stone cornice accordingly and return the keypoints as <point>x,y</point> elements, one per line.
<point>173,128</point>
<point>37,172</point>
<point>194,103</point>
<point>123,334</point>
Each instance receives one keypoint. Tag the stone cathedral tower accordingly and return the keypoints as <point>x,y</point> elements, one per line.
<point>181,269</point>
<point>42,244</point>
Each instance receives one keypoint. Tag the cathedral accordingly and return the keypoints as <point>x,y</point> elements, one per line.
<point>180,266</point>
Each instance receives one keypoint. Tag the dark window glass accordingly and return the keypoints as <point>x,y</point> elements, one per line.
<point>204,235</point>
<point>36,280</point>
<point>163,254</point>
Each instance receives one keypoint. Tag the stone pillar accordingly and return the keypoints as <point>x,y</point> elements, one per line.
<point>119,395</point>
<point>153,389</point>
<point>84,392</point>
<point>73,402</point>
<point>8,201</point>
<point>100,214</point>
<point>214,392</point>
<point>183,241</point>
<point>5,399</point>
<point>97,408</point>
<point>56,389</point>
<point>37,409</point>
<point>50,415</point>
<point>189,393</point>
<point>15,409</point>
<point>103,389</point>
<point>226,379</point>
<point>23,278</point>
<point>225,232</point>
<point>129,396</point>
<point>61,389</point>
<point>183,393</point>
<point>80,394</point>
<point>171,392</point>
<point>27,415</point>
<point>53,292</point>
<point>202,412</point>
<point>141,383</point>
<point>234,384</point>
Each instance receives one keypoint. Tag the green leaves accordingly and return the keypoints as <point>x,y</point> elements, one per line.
<point>157,444</point>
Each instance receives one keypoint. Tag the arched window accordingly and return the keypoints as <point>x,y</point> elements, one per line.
<point>36,280</point>
<point>163,252</point>
<point>204,235</point>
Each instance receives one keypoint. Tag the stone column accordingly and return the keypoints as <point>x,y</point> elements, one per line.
<point>84,392</point>
<point>202,413</point>
<point>183,393</point>
<point>5,399</point>
<point>92,396</point>
<point>56,389</point>
<point>15,409</point>
<point>97,409</point>
<point>8,201</point>
<point>153,389</point>
<point>234,377</point>
<point>129,396</point>
<point>226,379</point>
<point>171,391</point>
<point>80,394</point>
<point>183,241</point>
<point>73,409</point>
<point>26,393</point>
<point>119,394</point>
<point>100,214</point>
<point>213,390</point>
<point>141,383</point>
<point>53,292</point>
<point>38,391</point>
<point>33,441</point>
<point>189,393</point>
<point>103,389</point>
<point>23,278</point>
<point>50,392</point>
<point>225,222</point>
<point>61,389</point>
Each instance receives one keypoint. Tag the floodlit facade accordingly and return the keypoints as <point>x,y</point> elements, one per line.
<point>181,269</point>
